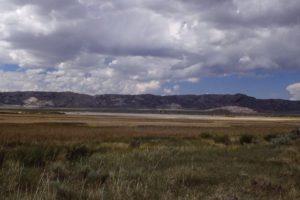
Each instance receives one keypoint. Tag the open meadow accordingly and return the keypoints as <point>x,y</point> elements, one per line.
<point>74,157</point>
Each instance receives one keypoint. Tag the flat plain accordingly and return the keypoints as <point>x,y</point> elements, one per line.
<point>57,156</point>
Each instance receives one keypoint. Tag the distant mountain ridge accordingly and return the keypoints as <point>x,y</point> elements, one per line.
<point>148,101</point>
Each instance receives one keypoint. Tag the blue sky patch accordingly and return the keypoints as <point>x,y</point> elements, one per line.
<point>10,68</point>
<point>260,85</point>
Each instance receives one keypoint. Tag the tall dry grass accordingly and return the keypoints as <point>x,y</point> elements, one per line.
<point>93,157</point>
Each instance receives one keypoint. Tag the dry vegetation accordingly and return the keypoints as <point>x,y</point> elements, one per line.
<point>76,128</point>
<point>49,156</point>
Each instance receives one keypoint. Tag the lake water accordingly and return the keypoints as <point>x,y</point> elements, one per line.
<point>139,114</point>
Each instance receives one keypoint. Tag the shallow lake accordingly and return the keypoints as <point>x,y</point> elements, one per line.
<point>139,114</point>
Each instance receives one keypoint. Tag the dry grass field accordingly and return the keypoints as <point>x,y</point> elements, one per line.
<point>55,156</point>
<point>79,128</point>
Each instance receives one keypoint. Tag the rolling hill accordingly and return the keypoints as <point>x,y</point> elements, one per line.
<point>208,102</point>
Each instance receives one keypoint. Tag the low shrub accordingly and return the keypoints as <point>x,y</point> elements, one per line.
<point>13,144</point>
<point>247,139</point>
<point>281,140</point>
<point>284,139</point>
<point>206,135</point>
<point>2,156</point>
<point>135,143</point>
<point>294,134</point>
<point>222,139</point>
<point>75,152</point>
<point>269,137</point>
<point>36,155</point>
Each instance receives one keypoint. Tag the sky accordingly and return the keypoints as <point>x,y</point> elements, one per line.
<point>162,47</point>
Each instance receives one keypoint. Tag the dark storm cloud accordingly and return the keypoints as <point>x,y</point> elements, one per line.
<point>243,13</point>
<point>56,47</point>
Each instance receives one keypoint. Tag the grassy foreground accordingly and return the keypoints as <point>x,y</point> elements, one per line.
<point>92,157</point>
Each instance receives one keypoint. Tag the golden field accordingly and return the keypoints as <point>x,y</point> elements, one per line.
<point>77,128</point>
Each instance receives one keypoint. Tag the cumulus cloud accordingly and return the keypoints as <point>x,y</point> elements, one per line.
<point>136,46</point>
<point>294,90</point>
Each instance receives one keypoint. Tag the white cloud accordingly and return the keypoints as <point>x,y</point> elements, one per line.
<point>245,59</point>
<point>147,86</point>
<point>168,91</point>
<point>171,91</point>
<point>294,90</point>
<point>136,46</point>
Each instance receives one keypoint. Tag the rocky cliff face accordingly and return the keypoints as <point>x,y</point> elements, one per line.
<point>147,101</point>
